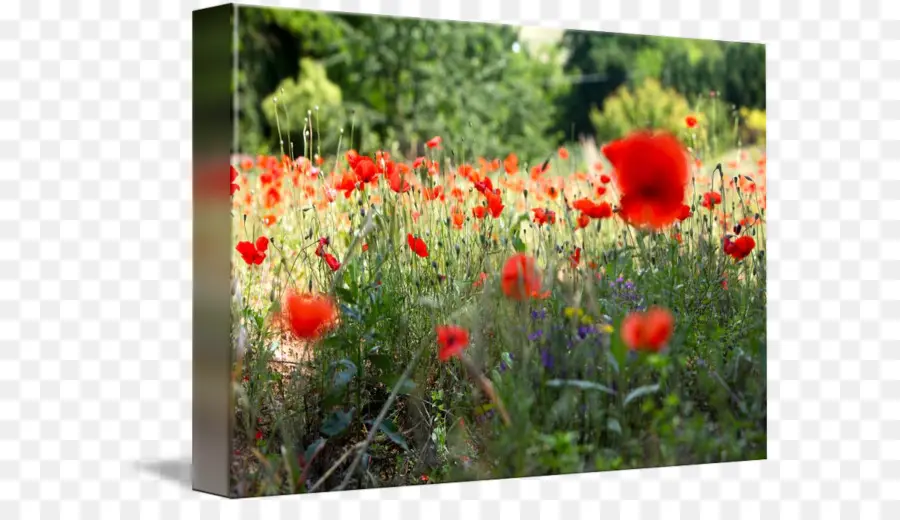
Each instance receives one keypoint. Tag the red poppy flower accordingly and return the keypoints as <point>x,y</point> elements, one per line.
<point>575,258</point>
<point>480,280</point>
<point>397,182</point>
<point>690,121</point>
<point>520,278</point>
<point>269,220</point>
<point>649,330</point>
<point>273,197</point>
<point>600,191</point>
<point>434,142</point>
<point>365,170</point>
<point>479,212</point>
<point>458,218</point>
<point>563,153</point>
<point>452,340</point>
<point>593,210</point>
<point>711,199</point>
<point>234,175</point>
<point>685,212</point>
<point>583,221</point>
<point>253,253</point>
<point>651,174</point>
<point>332,262</point>
<point>309,315</point>
<point>740,247</point>
<point>495,203</point>
<point>417,245</point>
<point>259,435</point>
<point>605,179</point>
<point>543,216</point>
<point>484,185</point>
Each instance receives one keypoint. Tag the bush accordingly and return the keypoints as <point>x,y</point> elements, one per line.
<point>753,127</point>
<point>647,106</point>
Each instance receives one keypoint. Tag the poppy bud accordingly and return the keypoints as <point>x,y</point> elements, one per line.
<point>737,229</point>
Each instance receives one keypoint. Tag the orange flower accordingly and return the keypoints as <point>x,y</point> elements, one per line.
<point>520,278</point>
<point>563,153</point>
<point>479,212</point>
<point>651,174</point>
<point>434,142</point>
<point>452,340</point>
<point>458,218</point>
<point>690,121</point>
<point>649,330</point>
<point>309,316</point>
<point>269,220</point>
<point>511,164</point>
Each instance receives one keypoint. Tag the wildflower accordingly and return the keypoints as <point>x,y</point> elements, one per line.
<point>563,153</point>
<point>575,258</point>
<point>543,216</point>
<point>253,253</point>
<point>234,175</point>
<point>690,121</point>
<point>593,210</point>
<point>539,315</point>
<point>418,162</point>
<point>520,277</point>
<point>739,248</point>
<point>536,335</point>
<point>434,142</point>
<point>417,245</point>
<point>495,204</point>
<point>480,280</point>
<point>511,164</point>
<point>259,435</point>
<point>685,213</point>
<point>452,340</point>
<point>332,262</point>
<point>365,247</point>
<point>711,199</point>
<point>650,330</point>
<point>309,315</point>
<point>583,221</point>
<point>479,212</point>
<point>273,197</point>
<point>605,179</point>
<point>651,174</point>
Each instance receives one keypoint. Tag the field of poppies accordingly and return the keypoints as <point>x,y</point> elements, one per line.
<point>418,320</point>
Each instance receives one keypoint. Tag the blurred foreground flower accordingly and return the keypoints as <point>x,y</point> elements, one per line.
<point>650,330</point>
<point>309,316</point>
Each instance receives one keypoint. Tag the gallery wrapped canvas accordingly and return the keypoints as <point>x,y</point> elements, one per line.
<point>432,251</point>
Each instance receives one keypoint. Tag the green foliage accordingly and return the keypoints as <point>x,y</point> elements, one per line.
<point>693,68</point>
<point>403,81</point>
<point>648,106</point>
<point>290,107</point>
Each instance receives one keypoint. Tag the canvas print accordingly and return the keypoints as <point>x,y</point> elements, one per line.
<point>465,251</point>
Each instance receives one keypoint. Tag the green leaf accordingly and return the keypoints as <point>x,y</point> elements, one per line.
<point>640,392</point>
<point>577,383</point>
<point>312,448</point>
<point>613,424</point>
<point>342,373</point>
<point>519,245</point>
<point>337,422</point>
<point>405,388</point>
<point>381,362</point>
<point>388,428</point>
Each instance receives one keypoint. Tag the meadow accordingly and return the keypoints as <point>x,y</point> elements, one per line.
<point>448,317</point>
